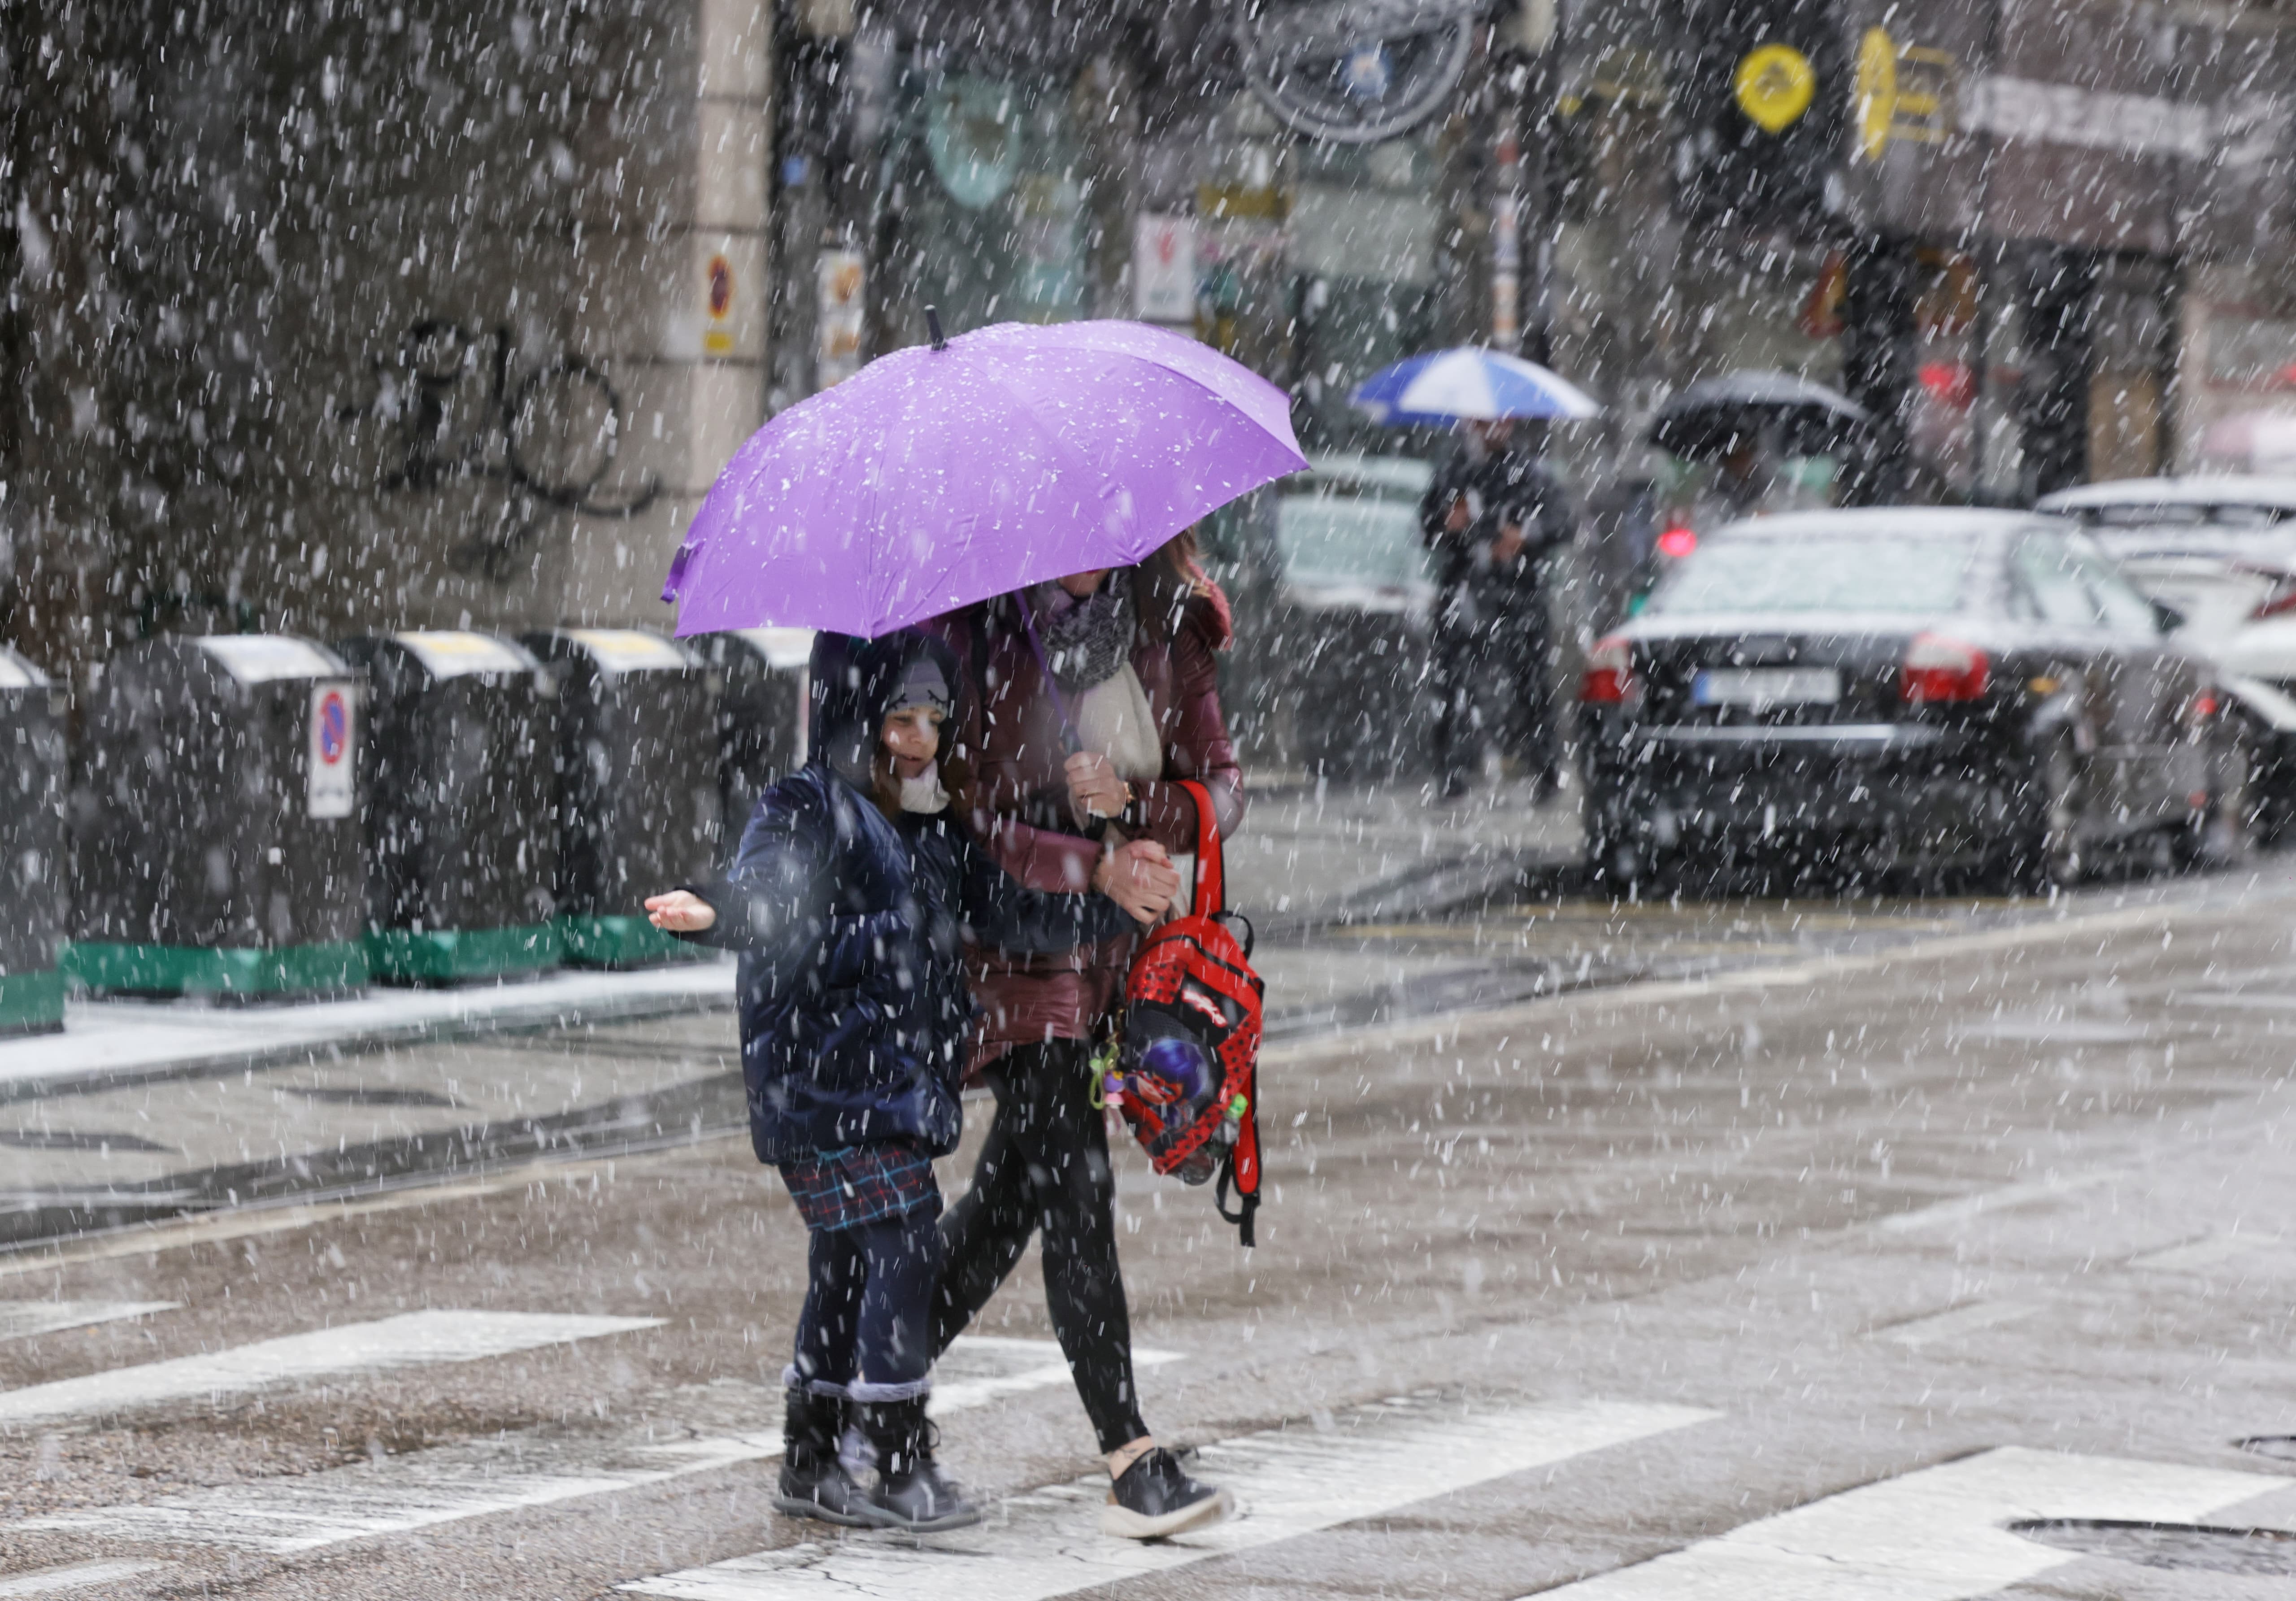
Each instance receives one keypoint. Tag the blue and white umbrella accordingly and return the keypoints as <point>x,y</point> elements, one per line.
<point>1449,386</point>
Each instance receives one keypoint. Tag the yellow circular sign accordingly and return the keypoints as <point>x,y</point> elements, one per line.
<point>1774,85</point>
<point>1874,101</point>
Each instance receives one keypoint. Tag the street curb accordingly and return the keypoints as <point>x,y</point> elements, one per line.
<point>684,1112</point>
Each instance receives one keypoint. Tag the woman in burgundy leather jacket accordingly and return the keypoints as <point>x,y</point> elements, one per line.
<point>1092,696</point>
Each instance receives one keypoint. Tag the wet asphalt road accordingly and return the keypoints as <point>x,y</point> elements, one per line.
<point>1794,1203</point>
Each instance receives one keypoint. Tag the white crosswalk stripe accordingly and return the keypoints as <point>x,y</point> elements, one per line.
<point>1940,1534</point>
<point>1290,1481</point>
<point>307,1513</point>
<point>397,1494</point>
<point>410,1340</point>
<point>2194,1255</point>
<point>22,1319</point>
<point>1954,1324</point>
<point>79,1576</point>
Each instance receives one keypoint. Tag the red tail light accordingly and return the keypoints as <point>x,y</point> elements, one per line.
<point>1610,677</point>
<point>2205,705</point>
<point>1678,541</point>
<point>1939,669</point>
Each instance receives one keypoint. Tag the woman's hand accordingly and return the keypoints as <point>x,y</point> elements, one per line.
<point>680,912</point>
<point>1139,877</point>
<point>1094,791</point>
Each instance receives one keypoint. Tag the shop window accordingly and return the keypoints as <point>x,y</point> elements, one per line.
<point>2132,342</point>
<point>1322,263</point>
<point>994,223</point>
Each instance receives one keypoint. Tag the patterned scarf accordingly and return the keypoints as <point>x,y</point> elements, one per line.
<point>1088,641</point>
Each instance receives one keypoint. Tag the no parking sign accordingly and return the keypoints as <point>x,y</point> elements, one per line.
<point>328,791</point>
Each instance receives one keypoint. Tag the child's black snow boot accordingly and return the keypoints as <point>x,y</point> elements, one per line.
<point>910,1494</point>
<point>814,1482</point>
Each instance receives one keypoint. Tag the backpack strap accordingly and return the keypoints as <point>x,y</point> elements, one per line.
<point>1240,1169</point>
<point>1211,861</point>
<point>1239,1172</point>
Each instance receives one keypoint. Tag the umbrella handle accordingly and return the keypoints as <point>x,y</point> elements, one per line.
<point>932,326</point>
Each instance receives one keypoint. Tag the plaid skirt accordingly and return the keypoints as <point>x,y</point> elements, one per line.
<point>861,1184</point>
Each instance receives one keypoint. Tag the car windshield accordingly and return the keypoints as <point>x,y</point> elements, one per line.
<point>1352,523</point>
<point>1817,572</point>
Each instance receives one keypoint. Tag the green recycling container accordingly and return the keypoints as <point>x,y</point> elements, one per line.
<point>32,779</point>
<point>462,847</point>
<point>218,846</point>
<point>637,798</point>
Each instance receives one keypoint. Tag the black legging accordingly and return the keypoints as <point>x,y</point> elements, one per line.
<point>1046,1165</point>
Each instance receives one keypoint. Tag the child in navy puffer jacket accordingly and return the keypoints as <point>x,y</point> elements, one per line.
<point>850,900</point>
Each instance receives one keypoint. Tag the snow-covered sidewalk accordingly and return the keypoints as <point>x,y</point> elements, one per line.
<point>119,1041</point>
<point>1308,858</point>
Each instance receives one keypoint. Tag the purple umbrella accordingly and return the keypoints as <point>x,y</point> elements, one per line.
<point>943,474</point>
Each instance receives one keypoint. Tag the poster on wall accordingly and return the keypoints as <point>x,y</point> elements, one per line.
<point>839,276</point>
<point>1164,268</point>
<point>328,790</point>
<point>718,337</point>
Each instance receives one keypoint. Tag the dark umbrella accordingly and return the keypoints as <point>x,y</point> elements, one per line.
<point>1789,415</point>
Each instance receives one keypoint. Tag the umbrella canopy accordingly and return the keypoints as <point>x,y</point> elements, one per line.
<point>1716,416</point>
<point>1449,386</point>
<point>943,474</point>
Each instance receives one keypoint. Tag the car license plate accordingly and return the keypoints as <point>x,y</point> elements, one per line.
<point>1760,687</point>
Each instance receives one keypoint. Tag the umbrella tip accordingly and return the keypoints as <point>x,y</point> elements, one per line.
<point>932,326</point>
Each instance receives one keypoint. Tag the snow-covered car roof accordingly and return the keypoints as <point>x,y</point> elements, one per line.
<point>2182,500</point>
<point>1408,474</point>
<point>1904,523</point>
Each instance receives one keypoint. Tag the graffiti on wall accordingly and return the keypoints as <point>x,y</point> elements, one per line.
<point>461,406</point>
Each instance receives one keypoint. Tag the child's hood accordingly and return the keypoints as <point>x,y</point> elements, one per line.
<point>855,684</point>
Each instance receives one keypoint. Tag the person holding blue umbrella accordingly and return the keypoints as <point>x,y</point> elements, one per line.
<point>1490,515</point>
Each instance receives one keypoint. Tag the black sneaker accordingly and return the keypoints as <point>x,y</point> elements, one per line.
<point>814,1483</point>
<point>910,1494</point>
<point>1155,1497</point>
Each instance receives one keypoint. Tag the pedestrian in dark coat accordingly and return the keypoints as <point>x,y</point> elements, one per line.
<point>850,900</point>
<point>1099,692</point>
<point>1490,515</point>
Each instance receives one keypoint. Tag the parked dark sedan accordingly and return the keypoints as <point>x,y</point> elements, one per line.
<point>1865,689</point>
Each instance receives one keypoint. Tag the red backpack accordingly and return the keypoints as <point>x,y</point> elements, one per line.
<point>1186,1077</point>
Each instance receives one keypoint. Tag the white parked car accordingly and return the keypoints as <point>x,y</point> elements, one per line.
<point>1353,594</point>
<point>2220,552</point>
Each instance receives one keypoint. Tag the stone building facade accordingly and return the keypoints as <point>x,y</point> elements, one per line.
<point>343,316</point>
